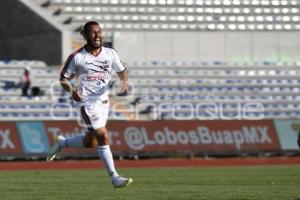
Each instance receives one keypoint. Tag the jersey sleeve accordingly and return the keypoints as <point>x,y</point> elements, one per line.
<point>116,63</point>
<point>69,67</point>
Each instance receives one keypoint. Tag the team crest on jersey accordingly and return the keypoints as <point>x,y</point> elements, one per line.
<point>96,65</point>
<point>105,63</point>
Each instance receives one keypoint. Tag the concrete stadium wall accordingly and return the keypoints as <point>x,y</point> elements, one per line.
<point>26,35</point>
<point>208,46</point>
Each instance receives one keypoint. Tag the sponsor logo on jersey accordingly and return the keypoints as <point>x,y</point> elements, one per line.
<point>99,76</point>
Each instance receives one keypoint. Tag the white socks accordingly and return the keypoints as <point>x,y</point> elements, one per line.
<point>104,153</point>
<point>76,141</point>
<point>107,159</point>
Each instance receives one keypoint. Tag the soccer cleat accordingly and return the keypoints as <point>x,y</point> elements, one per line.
<point>55,149</point>
<point>121,182</point>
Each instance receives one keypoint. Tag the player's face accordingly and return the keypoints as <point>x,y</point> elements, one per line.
<point>94,36</point>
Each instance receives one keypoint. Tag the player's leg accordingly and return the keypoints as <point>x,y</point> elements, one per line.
<point>87,140</point>
<point>104,151</point>
<point>95,116</point>
<point>105,155</point>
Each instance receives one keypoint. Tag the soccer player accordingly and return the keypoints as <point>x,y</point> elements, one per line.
<point>92,65</point>
<point>298,141</point>
<point>296,128</point>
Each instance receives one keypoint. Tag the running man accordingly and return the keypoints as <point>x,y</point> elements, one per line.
<point>92,65</point>
<point>296,128</point>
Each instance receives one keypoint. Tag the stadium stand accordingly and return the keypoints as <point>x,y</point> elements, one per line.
<point>173,89</point>
<point>180,14</point>
<point>119,18</point>
<point>168,91</point>
<point>188,91</point>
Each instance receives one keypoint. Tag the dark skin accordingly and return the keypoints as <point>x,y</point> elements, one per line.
<point>93,37</point>
<point>296,128</point>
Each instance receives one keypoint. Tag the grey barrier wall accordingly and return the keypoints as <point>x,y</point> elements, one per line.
<point>237,46</point>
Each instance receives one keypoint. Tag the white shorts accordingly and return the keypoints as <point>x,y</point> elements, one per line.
<point>95,114</point>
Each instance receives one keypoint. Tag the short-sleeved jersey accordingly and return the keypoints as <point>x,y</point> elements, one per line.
<point>92,73</point>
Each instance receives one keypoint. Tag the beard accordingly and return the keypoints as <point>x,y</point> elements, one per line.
<point>95,44</point>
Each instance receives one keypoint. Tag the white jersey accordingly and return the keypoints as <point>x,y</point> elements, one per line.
<point>93,73</point>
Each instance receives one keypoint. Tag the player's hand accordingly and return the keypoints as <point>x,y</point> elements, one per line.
<point>76,96</point>
<point>125,87</point>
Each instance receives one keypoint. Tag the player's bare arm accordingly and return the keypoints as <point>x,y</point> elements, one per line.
<point>123,76</point>
<point>64,82</point>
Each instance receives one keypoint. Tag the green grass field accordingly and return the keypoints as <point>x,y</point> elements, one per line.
<point>239,183</point>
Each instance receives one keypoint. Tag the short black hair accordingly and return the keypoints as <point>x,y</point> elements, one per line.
<point>86,26</point>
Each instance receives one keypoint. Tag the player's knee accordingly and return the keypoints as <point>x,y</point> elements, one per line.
<point>91,143</point>
<point>102,136</point>
<point>95,143</point>
<point>87,144</point>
